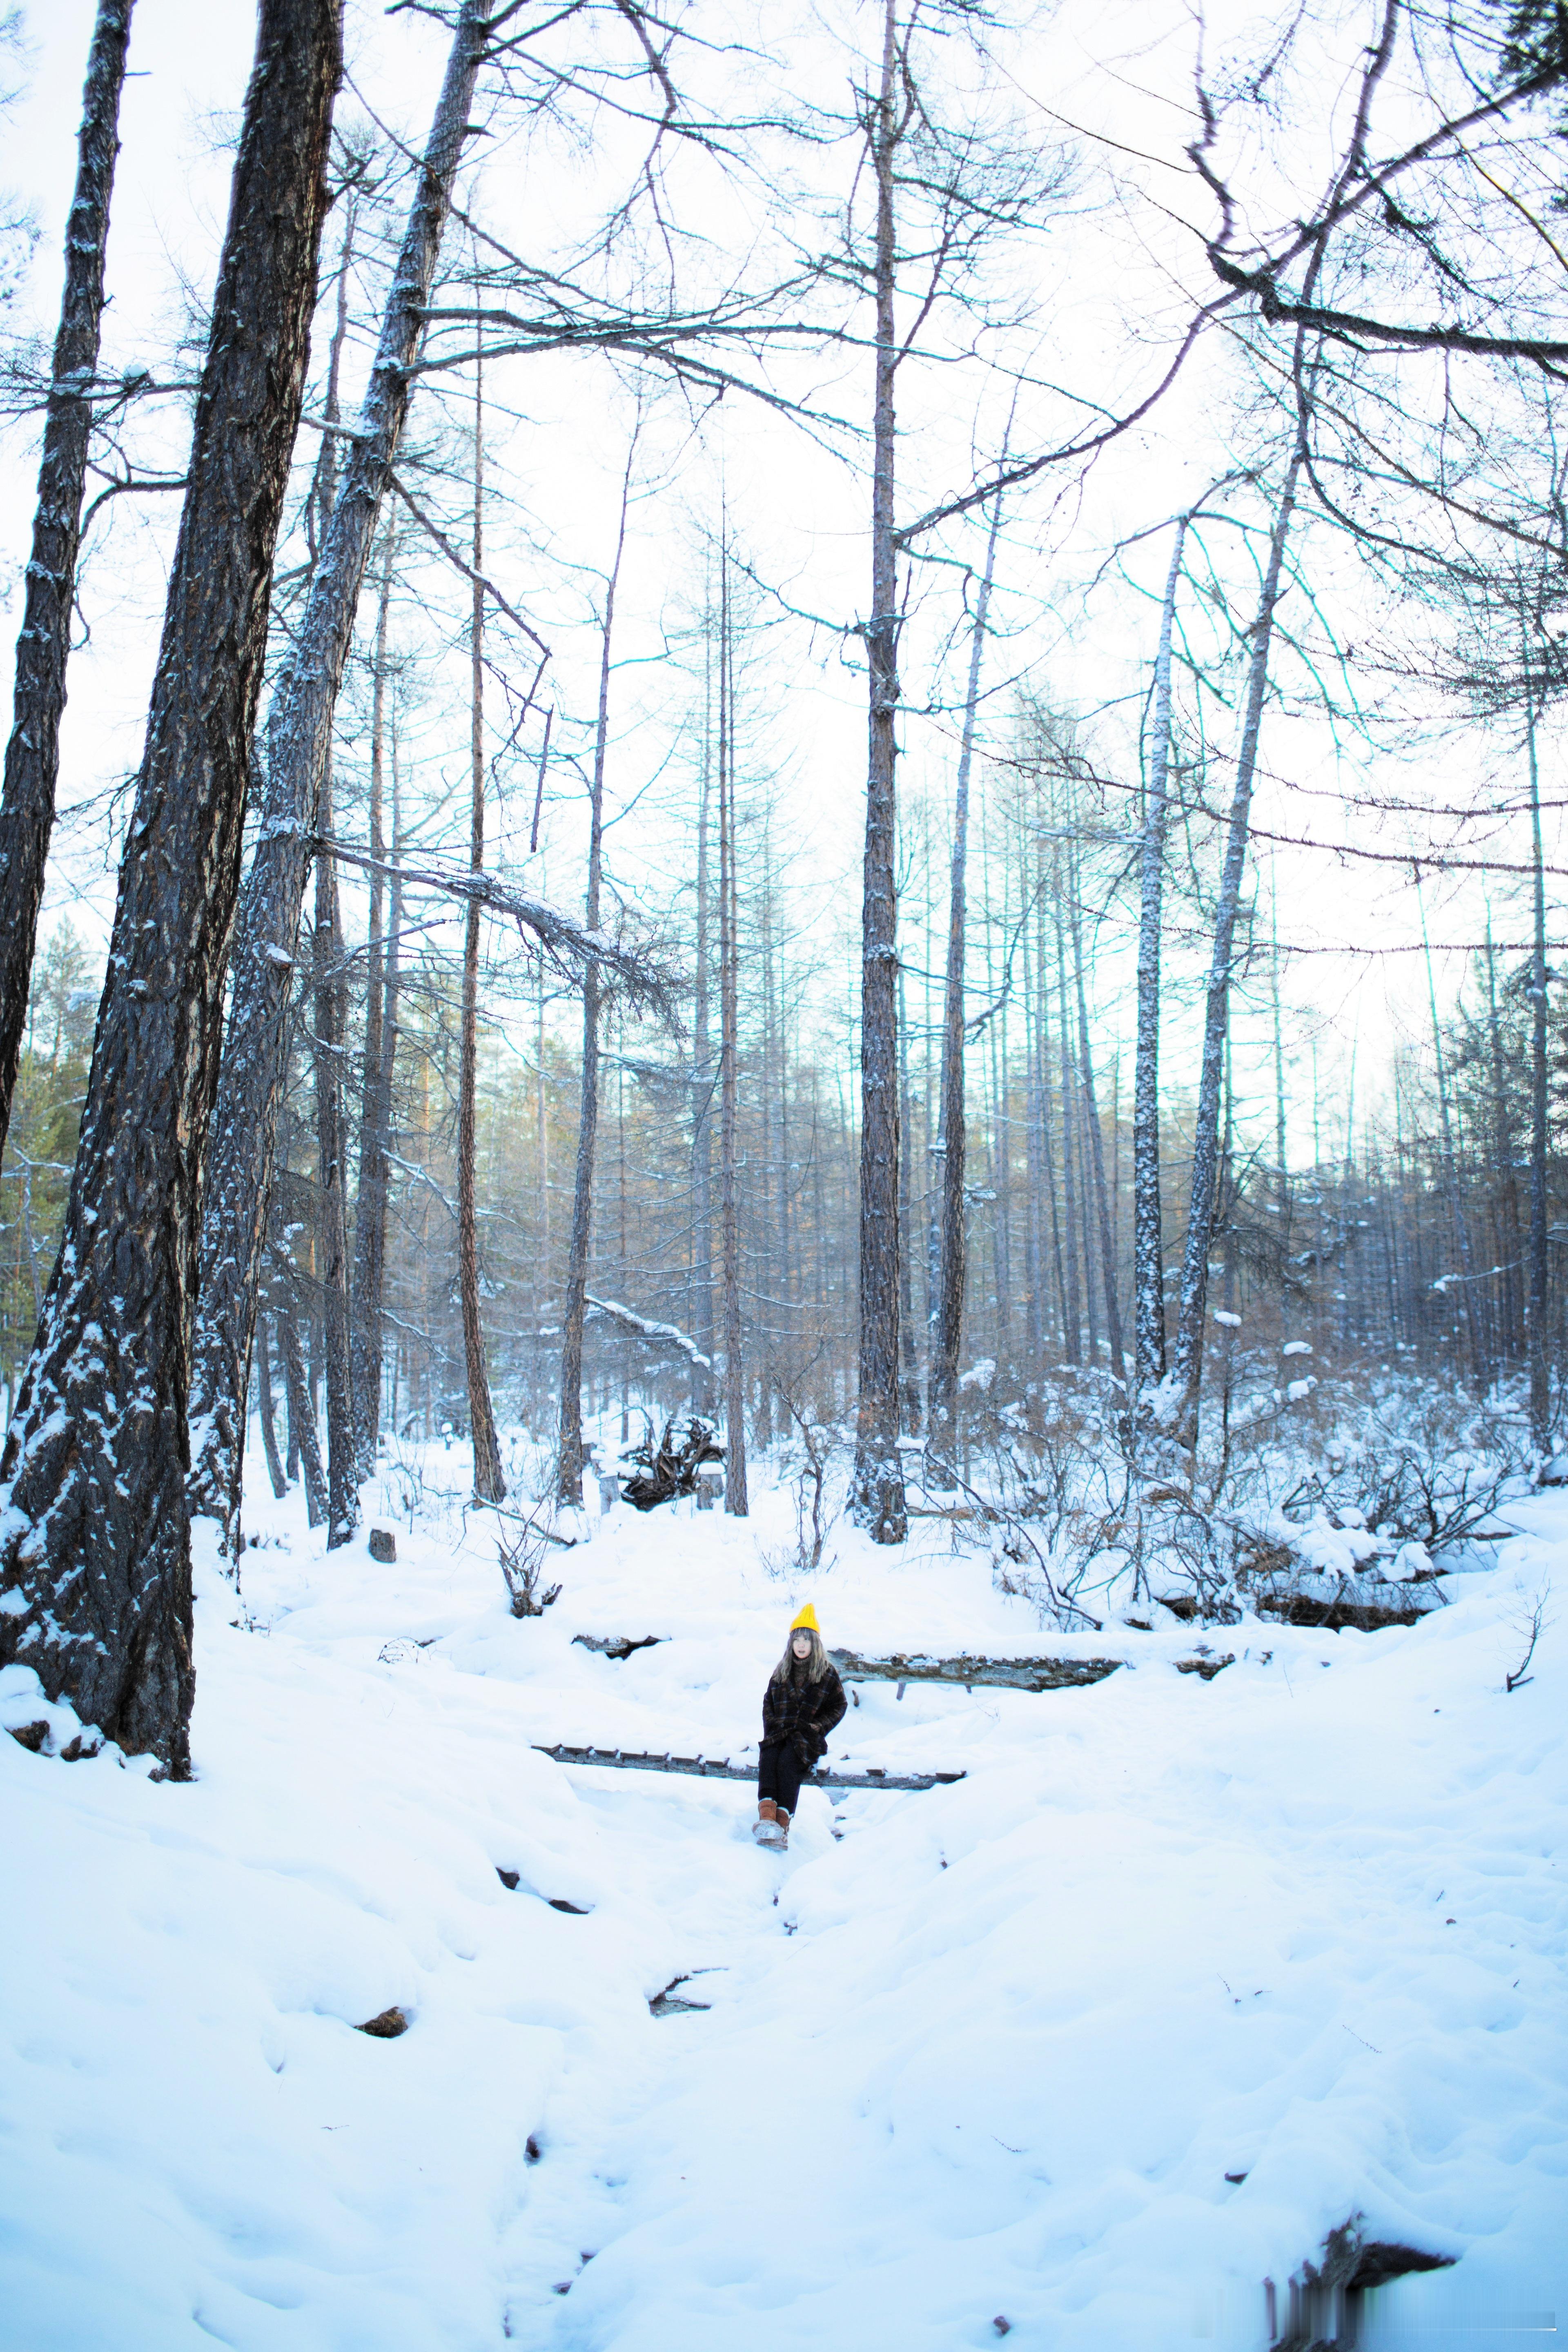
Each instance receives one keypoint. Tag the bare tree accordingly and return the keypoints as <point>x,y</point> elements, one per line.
<point>375,1082</point>
<point>569,1468</point>
<point>736,1500</point>
<point>43,644</point>
<point>876,1493</point>
<point>96,1557</point>
<point>490,1483</point>
<point>1149,1268</point>
<point>947,1307</point>
<point>299,730</point>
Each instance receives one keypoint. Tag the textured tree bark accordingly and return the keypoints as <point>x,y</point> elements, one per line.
<point>1187,1370</point>
<point>490,1483</point>
<point>268,1425</point>
<point>343,1505</point>
<point>569,1461</point>
<point>736,1500</point>
<point>43,644</point>
<point>947,1315</point>
<point>96,1553</point>
<point>300,728</point>
<point>375,1105</point>
<point>877,1487</point>
<point>1148,1242</point>
<point>303,1441</point>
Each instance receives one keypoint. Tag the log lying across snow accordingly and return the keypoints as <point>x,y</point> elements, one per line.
<point>1001,1673</point>
<point>719,1768</point>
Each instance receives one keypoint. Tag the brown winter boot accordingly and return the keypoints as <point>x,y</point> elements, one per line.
<point>783,1828</point>
<point>765,1828</point>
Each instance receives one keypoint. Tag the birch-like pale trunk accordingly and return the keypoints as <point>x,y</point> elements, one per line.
<point>568,1464</point>
<point>1458,1223</point>
<point>1540,1375</point>
<point>1148,1238</point>
<point>489,1482</point>
<point>369,1196</point>
<point>947,1307</point>
<point>95,1558</point>
<point>42,643</point>
<point>299,730</point>
<point>736,1498</point>
<point>1097,1157</point>
<point>876,1487</point>
<point>343,1494</point>
<point>701,1315</point>
<point>1185,1380</point>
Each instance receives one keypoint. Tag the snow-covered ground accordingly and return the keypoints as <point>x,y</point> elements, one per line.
<point>983,2058</point>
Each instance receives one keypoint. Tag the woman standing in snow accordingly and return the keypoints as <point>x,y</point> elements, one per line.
<point>802,1701</point>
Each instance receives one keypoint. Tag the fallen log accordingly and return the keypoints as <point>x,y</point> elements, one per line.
<point>617,1645</point>
<point>999,1674</point>
<point>1335,1616</point>
<point>719,1768</point>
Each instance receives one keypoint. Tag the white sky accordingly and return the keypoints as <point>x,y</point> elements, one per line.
<point>1123,69</point>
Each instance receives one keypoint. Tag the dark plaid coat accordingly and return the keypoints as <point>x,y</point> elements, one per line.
<point>800,1713</point>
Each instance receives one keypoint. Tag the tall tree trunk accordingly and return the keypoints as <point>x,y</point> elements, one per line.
<point>1097,1161</point>
<point>490,1483</point>
<point>569,1466</point>
<point>96,1555</point>
<point>1148,1241</point>
<point>736,1500</point>
<point>702,1082</point>
<point>1464,1255</point>
<point>303,1441</point>
<point>299,728</point>
<point>1540,1371</point>
<point>876,1489</point>
<point>947,1312</point>
<point>268,1425</point>
<point>43,644</point>
<point>1072,1297</point>
<point>342,1511</point>
<point>1188,1366</point>
<point>907,1231</point>
<point>370,1197</point>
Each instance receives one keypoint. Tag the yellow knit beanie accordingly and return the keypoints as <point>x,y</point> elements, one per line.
<point>807,1618</point>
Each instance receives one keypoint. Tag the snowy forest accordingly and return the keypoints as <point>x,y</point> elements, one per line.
<point>780,864</point>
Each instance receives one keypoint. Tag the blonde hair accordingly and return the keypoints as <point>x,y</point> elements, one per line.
<point>816,1665</point>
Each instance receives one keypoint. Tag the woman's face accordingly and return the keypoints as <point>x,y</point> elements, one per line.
<point>801,1645</point>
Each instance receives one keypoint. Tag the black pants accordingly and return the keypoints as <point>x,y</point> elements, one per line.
<point>779,1774</point>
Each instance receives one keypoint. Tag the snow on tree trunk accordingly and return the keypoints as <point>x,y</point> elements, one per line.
<point>876,1489</point>
<point>268,1423</point>
<point>95,1539</point>
<point>300,732</point>
<point>42,643</point>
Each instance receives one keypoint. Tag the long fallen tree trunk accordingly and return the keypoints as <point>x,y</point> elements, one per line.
<point>1000,1673</point>
<point>719,1768</point>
